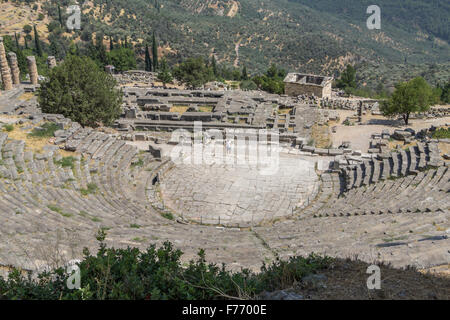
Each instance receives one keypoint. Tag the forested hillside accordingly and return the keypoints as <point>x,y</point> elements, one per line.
<point>320,36</point>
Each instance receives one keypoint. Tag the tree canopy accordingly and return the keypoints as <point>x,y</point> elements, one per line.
<point>164,74</point>
<point>79,90</point>
<point>409,97</point>
<point>122,59</point>
<point>272,80</point>
<point>194,72</point>
<point>348,78</point>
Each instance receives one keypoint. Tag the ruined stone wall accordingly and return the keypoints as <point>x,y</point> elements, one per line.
<point>296,89</point>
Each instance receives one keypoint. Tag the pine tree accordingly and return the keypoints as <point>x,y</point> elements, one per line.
<point>148,60</point>
<point>155,53</point>
<point>37,43</point>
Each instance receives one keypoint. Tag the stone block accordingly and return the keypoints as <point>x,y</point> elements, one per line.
<point>401,135</point>
<point>335,152</point>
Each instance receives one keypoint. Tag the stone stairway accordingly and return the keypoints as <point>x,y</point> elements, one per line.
<point>392,165</point>
<point>43,203</point>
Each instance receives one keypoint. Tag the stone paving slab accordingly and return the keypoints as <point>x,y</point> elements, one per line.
<point>238,194</point>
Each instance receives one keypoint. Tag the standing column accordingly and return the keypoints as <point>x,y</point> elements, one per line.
<point>4,68</point>
<point>14,68</point>
<point>32,69</point>
<point>360,111</point>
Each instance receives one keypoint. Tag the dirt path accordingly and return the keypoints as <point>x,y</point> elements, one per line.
<point>236,49</point>
<point>359,135</point>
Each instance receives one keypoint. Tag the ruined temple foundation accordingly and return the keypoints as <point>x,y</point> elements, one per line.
<point>51,62</point>
<point>33,69</point>
<point>14,68</point>
<point>4,68</point>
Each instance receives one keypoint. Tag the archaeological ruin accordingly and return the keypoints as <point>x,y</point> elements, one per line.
<point>155,176</point>
<point>307,84</point>
<point>4,68</point>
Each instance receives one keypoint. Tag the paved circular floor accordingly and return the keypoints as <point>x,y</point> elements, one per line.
<point>241,195</point>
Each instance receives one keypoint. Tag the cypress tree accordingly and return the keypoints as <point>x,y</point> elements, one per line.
<point>244,73</point>
<point>60,16</point>
<point>148,60</point>
<point>37,42</point>
<point>26,42</point>
<point>214,65</point>
<point>17,40</point>
<point>155,53</point>
<point>111,45</point>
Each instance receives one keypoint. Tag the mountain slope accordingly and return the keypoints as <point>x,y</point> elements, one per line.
<point>319,36</point>
<point>297,34</point>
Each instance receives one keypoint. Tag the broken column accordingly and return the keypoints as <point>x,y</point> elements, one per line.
<point>14,67</point>
<point>51,62</point>
<point>4,68</point>
<point>32,69</point>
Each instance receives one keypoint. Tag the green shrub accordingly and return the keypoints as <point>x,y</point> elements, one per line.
<point>91,188</point>
<point>167,215</point>
<point>66,162</point>
<point>157,273</point>
<point>441,133</point>
<point>8,127</point>
<point>59,210</point>
<point>138,163</point>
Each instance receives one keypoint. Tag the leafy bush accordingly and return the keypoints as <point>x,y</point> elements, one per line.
<point>167,215</point>
<point>66,162</point>
<point>91,188</point>
<point>8,127</point>
<point>441,133</point>
<point>157,273</point>
<point>59,210</point>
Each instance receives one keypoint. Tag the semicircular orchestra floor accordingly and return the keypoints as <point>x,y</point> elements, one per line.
<point>239,195</point>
